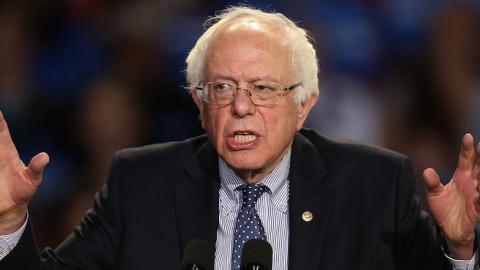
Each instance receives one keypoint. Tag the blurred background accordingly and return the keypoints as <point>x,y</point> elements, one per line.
<point>81,79</point>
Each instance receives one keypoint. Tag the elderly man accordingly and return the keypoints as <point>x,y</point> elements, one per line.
<point>320,203</point>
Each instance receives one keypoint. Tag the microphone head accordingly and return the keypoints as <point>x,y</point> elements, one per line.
<point>198,254</point>
<point>257,254</point>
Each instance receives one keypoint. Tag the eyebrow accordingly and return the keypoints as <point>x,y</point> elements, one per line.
<point>251,80</point>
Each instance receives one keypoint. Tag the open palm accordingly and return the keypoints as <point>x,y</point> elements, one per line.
<point>456,206</point>
<point>18,182</point>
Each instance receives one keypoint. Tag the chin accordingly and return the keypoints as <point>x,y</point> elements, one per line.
<point>243,161</point>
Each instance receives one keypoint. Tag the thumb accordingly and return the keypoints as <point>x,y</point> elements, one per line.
<point>432,181</point>
<point>36,167</point>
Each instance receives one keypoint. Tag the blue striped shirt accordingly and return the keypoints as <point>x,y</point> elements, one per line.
<point>272,207</point>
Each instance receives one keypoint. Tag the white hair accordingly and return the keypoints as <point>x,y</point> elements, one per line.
<point>304,58</point>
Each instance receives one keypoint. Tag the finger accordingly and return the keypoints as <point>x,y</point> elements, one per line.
<point>3,124</point>
<point>466,157</point>
<point>36,167</point>
<point>432,181</point>
<point>2,120</point>
<point>476,166</point>
<point>5,137</point>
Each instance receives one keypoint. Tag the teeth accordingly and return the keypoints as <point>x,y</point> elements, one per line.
<point>244,137</point>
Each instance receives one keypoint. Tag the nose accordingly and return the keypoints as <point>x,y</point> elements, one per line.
<point>242,104</point>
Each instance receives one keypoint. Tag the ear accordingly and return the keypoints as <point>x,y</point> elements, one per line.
<point>303,110</point>
<point>200,104</point>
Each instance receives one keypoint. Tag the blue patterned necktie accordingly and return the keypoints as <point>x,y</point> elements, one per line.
<point>248,225</point>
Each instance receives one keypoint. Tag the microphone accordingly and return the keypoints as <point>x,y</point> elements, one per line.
<point>256,255</point>
<point>199,254</point>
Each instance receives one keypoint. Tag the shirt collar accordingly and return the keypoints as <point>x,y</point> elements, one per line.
<point>276,181</point>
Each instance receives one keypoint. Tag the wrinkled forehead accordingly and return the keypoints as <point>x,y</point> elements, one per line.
<point>249,48</point>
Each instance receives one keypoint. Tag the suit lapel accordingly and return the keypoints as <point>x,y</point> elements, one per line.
<point>197,201</point>
<point>308,193</point>
<point>197,197</point>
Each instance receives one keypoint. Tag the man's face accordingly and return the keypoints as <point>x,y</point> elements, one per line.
<point>251,139</point>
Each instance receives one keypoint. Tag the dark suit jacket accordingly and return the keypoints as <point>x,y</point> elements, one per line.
<point>158,197</point>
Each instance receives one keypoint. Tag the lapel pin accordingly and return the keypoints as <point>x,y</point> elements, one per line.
<point>307,216</point>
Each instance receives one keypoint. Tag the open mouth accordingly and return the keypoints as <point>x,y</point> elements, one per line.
<point>242,140</point>
<point>244,137</point>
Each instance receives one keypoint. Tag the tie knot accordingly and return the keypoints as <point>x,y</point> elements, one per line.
<point>251,193</point>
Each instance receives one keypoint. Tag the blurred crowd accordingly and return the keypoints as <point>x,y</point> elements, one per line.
<point>81,79</point>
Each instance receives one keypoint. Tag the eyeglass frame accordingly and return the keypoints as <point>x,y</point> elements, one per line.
<point>249,91</point>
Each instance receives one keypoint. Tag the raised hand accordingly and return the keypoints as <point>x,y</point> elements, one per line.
<point>18,182</point>
<point>455,207</point>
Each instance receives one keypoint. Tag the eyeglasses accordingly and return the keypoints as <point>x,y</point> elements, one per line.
<point>261,93</point>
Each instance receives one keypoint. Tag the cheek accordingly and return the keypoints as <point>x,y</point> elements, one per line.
<point>280,123</point>
<point>213,122</point>
<point>287,118</point>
